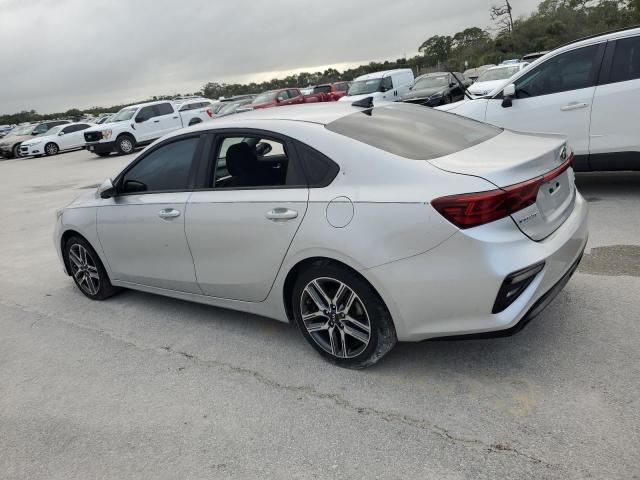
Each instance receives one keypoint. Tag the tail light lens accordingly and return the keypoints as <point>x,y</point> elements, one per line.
<point>472,209</point>
<point>210,112</point>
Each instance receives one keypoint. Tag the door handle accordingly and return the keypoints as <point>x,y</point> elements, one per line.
<point>168,213</point>
<point>175,118</point>
<point>281,214</point>
<point>574,106</point>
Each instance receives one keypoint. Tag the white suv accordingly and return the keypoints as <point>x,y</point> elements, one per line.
<point>588,90</point>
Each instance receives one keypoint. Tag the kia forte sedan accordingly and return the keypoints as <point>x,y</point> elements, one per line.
<point>364,226</point>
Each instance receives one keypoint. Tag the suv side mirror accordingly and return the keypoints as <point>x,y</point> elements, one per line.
<point>507,95</point>
<point>107,190</point>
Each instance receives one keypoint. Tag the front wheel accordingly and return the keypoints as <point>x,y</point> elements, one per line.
<point>125,144</point>
<point>342,316</point>
<point>51,149</point>
<point>16,151</point>
<point>87,270</point>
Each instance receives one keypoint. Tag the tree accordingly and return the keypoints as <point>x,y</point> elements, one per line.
<point>436,49</point>
<point>502,15</point>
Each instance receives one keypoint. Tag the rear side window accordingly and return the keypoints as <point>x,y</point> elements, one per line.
<point>319,170</point>
<point>626,60</point>
<point>164,109</point>
<point>412,131</point>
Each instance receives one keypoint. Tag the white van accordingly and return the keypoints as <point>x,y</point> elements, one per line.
<point>388,86</point>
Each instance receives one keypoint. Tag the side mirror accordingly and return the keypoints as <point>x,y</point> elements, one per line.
<point>107,190</point>
<point>263,149</point>
<point>507,95</point>
<point>132,186</point>
<point>61,134</point>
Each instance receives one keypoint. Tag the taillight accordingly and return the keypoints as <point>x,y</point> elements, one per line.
<point>472,209</point>
<point>210,112</point>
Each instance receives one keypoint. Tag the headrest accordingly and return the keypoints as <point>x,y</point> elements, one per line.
<point>241,159</point>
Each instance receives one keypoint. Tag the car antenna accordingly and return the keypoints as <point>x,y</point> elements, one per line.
<point>464,88</point>
<point>363,103</point>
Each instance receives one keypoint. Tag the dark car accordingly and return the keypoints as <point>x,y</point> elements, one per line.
<point>435,89</point>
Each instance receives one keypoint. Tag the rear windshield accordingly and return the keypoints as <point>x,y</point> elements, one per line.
<point>413,131</point>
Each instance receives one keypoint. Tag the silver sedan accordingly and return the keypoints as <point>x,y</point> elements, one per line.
<point>364,226</point>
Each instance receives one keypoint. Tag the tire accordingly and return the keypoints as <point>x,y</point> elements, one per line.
<point>125,144</point>
<point>363,332</point>
<point>103,154</point>
<point>194,121</point>
<point>15,152</point>
<point>51,149</point>
<point>87,270</point>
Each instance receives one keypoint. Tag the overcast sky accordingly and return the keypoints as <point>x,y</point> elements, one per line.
<point>59,54</point>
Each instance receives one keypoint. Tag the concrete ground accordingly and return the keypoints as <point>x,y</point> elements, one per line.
<point>142,386</point>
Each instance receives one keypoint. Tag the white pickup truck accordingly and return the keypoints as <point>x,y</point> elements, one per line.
<point>141,124</point>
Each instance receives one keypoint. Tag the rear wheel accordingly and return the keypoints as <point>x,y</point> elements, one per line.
<point>342,316</point>
<point>87,270</point>
<point>51,149</point>
<point>125,144</point>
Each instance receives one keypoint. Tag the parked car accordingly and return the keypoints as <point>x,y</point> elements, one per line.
<point>493,77</point>
<point>58,139</point>
<point>588,90</point>
<point>333,91</point>
<point>278,98</point>
<point>229,108</point>
<point>136,126</point>
<point>435,89</point>
<point>471,230</point>
<point>195,110</point>
<point>104,119</point>
<point>10,145</point>
<point>473,73</point>
<point>389,85</point>
<point>5,130</point>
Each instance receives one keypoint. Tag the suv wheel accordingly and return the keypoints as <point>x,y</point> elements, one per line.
<point>342,316</point>
<point>125,144</point>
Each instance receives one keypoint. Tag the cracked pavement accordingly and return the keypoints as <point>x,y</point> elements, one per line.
<point>142,386</point>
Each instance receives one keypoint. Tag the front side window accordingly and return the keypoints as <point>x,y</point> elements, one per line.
<point>283,95</point>
<point>321,89</point>
<point>568,71</point>
<point>164,169</point>
<point>294,93</point>
<point>70,129</point>
<point>413,131</point>
<point>387,83</point>
<point>626,60</point>
<point>250,162</point>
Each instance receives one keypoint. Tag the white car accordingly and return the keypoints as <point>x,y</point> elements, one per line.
<point>388,86</point>
<point>58,139</point>
<point>493,77</point>
<point>588,90</point>
<point>139,125</point>
<point>195,110</point>
<point>363,226</point>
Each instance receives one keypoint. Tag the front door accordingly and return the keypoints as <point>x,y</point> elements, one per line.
<point>555,97</point>
<point>240,230</point>
<point>142,230</point>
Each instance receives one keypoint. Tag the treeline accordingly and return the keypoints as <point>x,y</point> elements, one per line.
<point>555,22</point>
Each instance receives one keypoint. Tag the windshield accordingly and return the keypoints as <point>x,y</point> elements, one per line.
<point>124,114</point>
<point>362,87</point>
<point>230,107</point>
<point>54,130</point>
<point>26,130</point>
<point>431,82</point>
<point>265,97</point>
<point>498,74</point>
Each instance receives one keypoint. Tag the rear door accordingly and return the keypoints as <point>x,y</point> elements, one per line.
<point>554,97</point>
<point>615,119</point>
<point>240,227</point>
<point>169,119</point>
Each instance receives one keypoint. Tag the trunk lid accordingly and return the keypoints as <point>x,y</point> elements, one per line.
<point>512,158</point>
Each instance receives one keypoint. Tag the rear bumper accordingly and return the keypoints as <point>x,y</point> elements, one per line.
<point>101,147</point>
<point>451,290</point>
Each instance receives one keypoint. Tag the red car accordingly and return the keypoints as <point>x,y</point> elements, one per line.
<point>334,91</point>
<point>278,98</point>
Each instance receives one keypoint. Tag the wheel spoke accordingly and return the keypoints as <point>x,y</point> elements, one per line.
<point>339,293</point>
<point>357,334</point>
<point>332,340</point>
<point>343,341</point>
<point>349,303</point>
<point>317,327</point>
<point>310,316</point>
<point>357,323</point>
<point>79,274</point>
<point>93,272</point>
<point>322,293</point>
<point>74,258</point>
<point>316,296</point>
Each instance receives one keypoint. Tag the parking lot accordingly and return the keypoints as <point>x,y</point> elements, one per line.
<point>141,386</point>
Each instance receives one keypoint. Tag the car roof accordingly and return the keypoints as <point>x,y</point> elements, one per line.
<point>598,37</point>
<point>384,73</point>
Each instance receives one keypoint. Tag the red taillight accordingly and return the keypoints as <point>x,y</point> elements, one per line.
<point>210,112</point>
<point>472,209</point>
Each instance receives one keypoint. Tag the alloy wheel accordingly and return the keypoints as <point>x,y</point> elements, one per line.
<point>335,317</point>
<point>84,269</point>
<point>51,149</point>
<point>126,145</point>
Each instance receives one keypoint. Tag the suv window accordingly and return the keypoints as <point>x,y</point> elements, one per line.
<point>147,112</point>
<point>412,131</point>
<point>626,60</point>
<point>251,161</point>
<point>166,168</point>
<point>294,93</point>
<point>568,71</point>
<point>164,109</point>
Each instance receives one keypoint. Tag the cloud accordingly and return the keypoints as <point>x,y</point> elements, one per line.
<point>58,54</point>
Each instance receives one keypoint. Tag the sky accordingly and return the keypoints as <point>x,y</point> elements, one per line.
<point>62,54</point>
